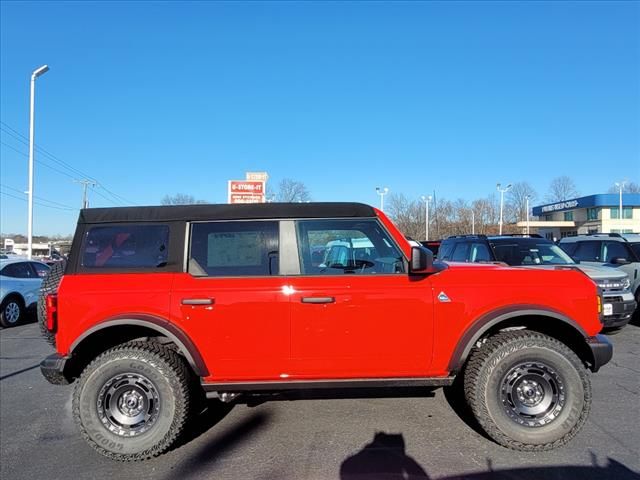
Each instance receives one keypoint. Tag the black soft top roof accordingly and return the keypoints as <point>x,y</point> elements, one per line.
<point>225,212</point>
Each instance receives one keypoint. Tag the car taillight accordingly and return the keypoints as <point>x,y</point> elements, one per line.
<point>52,312</point>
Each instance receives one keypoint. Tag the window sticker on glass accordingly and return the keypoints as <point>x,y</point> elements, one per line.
<point>234,249</point>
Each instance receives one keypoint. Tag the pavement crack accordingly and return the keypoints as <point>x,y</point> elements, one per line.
<point>633,392</point>
<point>616,364</point>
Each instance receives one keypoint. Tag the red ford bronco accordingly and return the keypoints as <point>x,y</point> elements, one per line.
<point>159,306</point>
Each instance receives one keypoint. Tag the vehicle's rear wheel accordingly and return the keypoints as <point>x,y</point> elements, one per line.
<point>527,391</point>
<point>132,402</point>
<point>11,311</point>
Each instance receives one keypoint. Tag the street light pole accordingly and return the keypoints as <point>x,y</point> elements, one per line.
<point>502,192</point>
<point>620,185</point>
<point>426,199</point>
<point>527,206</point>
<point>35,74</point>
<point>382,192</point>
<point>473,222</point>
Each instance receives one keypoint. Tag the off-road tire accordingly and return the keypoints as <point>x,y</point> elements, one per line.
<point>49,285</point>
<point>172,381</point>
<point>487,370</point>
<point>11,306</point>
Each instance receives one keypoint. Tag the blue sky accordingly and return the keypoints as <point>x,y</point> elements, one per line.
<point>156,98</point>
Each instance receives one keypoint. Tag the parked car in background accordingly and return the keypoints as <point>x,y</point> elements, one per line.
<point>609,249</point>
<point>433,245</point>
<point>535,251</point>
<point>20,281</point>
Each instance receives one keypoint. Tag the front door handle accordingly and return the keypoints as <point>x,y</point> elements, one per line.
<point>198,301</point>
<point>317,299</point>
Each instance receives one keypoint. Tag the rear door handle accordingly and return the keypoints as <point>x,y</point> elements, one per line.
<point>317,299</point>
<point>198,301</point>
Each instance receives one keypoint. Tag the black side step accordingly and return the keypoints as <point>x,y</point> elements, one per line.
<point>328,384</point>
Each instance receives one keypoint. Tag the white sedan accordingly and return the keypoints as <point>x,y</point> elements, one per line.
<point>20,281</point>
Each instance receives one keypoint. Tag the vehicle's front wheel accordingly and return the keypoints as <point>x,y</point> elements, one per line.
<point>527,391</point>
<point>11,311</point>
<point>132,402</point>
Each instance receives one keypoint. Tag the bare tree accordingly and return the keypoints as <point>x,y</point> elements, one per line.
<point>180,199</point>
<point>628,187</point>
<point>517,201</point>
<point>292,191</point>
<point>561,189</point>
<point>408,215</point>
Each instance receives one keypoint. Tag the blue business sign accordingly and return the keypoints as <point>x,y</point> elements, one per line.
<point>600,200</point>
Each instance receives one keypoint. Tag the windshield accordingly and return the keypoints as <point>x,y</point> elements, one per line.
<point>531,253</point>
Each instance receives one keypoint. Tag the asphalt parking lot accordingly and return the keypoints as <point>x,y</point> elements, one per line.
<point>416,436</point>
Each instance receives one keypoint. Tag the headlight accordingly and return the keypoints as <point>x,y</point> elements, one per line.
<point>609,284</point>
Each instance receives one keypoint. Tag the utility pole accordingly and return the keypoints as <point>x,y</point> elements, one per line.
<point>85,183</point>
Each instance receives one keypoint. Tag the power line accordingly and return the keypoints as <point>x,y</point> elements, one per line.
<point>111,201</point>
<point>22,138</point>
<point>44,164</point>
<point>106,198</point>
<point>39,198</point>
<point>37,203</point>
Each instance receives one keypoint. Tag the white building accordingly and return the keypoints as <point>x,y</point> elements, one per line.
<point>592,214</point>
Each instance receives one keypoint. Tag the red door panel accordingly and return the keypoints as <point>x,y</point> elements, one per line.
<point>244,333</point>
<point>374,326</point>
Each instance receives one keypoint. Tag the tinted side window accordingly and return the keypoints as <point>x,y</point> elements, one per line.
<point>41,270</point>
<point>479,253</point>
<point>588,252</point>
<point>126,246</point>
<point>613,250</point>
<point>231,249</point>
<point>570,248</point>
<point>445,250</point>
<point>460,253</point>
<point>18,270</point>
<point>336,247</point>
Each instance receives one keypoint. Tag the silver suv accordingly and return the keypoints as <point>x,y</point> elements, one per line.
<point>533,251</point>
<point>20,281</point>
<point>609,249</point>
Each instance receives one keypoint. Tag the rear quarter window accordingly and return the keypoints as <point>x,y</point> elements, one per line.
<point>125,246</point>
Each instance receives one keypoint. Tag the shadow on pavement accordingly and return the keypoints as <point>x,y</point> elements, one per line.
<point>13,374</point>
<point>385,458</point>
<point>203,458</point>
<point>455,398</point>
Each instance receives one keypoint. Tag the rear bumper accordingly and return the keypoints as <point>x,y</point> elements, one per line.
<point>601,351</point>
<point>52,368</point>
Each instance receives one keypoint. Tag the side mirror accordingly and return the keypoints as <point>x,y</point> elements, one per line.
<point>619,261</point>
<point>421,260</point>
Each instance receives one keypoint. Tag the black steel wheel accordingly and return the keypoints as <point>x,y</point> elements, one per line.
<point>532,394</point>
<point>128,404</point>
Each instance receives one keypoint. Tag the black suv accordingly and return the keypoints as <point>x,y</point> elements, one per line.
<point>535,251</point>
